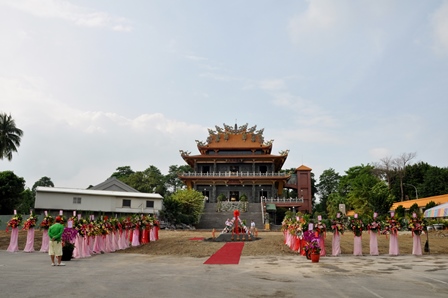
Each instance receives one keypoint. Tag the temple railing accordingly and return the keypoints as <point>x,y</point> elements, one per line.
<point>282,200</point>
<point>233,174</point>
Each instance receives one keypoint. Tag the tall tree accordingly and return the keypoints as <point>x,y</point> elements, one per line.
<point>400,164</point>
<point>150,180</point>
<point>44,181</point>
<point>380,199</point>
<point>10,136</point>
<point>328,184</point>
<point>435,182</point>
<point>385,169</point>
<point>30,200</point>
<point>172,181</point>
<point>333,202</point>
<point>11,188</point>
<point>26,203</point>
<point>171,211</point>
<point>192,205</point>
<point>357,184</point>
<point>414,180</point>
<point>122,173</point>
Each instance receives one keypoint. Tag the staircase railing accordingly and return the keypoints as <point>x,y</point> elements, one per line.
<point>262,211</point>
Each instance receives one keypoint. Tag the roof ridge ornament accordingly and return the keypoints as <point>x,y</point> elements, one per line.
<point>223,133</point>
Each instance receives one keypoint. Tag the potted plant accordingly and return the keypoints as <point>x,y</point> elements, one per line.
<point>243,199</point>
<point>313,250</point>
<point>68,238</point>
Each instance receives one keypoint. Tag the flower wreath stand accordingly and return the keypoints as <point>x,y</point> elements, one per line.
<point>14,241</point>
<point>29,247</point>
<point>14,224</point>
<point>45,241</point>
<point>374,227</point>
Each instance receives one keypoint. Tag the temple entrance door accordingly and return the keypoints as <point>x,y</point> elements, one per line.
<point>234,196</point>
<point>234,170</point>
<point>206,194</point>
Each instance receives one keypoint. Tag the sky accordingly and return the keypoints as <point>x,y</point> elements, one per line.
<point>99,84</point>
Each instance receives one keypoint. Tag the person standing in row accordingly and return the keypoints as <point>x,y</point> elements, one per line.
<point>252,227</point>
<point>55,248</point>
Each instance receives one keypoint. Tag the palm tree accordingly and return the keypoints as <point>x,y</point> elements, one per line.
<point>10,136</point>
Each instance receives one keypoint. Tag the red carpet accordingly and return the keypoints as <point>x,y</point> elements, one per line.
<point>197,238</point>
<point>230,253</point>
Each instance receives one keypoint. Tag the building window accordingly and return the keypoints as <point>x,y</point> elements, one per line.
<point>149,204</point>
<point>76,200</point>
<point>126,203</point>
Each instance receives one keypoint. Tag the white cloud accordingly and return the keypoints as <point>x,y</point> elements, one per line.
<point>64,10</point>
<point>379,153</point>
<point>320,21</point>
<point>440,28</point>
<point>327,25</point>
<point>274,84</point>
<point>221,77</point>
<point>195,58</point>
<point>308,113</point>
<point>76,148</point>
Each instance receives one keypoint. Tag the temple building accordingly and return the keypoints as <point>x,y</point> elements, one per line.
<point>236,163</point>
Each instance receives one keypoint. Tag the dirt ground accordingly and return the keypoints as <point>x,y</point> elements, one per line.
<point>269,243</point>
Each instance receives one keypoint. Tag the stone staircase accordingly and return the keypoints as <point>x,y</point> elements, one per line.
<point>211,219</point>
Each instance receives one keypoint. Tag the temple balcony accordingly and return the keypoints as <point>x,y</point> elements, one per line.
<point>234,174</point>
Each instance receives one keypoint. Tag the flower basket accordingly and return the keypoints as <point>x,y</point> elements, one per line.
<point>46,222</point>
<point>391,227</point>
<point>357,226</point>
<point>416,225</point>
<point>14,222</point>
<point>374,226</point>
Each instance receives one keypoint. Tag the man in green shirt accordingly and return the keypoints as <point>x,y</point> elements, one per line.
<point>55,233</point>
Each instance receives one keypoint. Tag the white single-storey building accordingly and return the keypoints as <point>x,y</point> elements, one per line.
<point>110,197</point>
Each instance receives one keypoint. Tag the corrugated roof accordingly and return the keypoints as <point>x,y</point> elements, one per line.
<point>98,192</point>
<point>421,202</point>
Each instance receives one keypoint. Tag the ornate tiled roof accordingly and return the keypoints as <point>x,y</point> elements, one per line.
<point>235,137</point>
